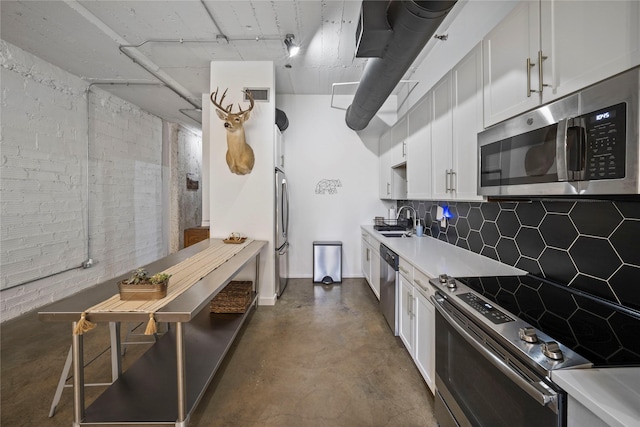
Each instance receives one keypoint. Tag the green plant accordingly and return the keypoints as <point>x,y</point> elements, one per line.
<point>138,276</point>
<point>159,278</point>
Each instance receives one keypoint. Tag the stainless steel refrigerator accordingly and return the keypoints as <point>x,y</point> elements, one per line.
<point>282,232</point>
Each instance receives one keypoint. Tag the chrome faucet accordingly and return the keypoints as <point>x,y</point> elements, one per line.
<point>415,214</point>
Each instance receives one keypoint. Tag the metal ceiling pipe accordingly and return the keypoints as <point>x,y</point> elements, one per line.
<point>413,23</point>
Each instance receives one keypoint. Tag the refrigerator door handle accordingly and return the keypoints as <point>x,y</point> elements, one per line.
<point>285,208</point>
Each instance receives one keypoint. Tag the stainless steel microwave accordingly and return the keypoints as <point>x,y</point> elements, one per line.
<point>583,144</point>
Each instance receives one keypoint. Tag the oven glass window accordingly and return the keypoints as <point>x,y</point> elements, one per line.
<point>528,158</point>
<point>483,393</point>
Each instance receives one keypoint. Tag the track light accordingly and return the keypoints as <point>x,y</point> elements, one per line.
<point>292,48</point>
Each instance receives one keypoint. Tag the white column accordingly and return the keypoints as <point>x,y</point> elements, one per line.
<point>206,174</point>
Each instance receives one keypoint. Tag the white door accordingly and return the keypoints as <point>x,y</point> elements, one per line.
<point>586,42</point>
<point>419,150</point>
<point>405,317</point>
<point>506,49</point>
<point>441,140</point>
<point>467,122</point>
<point>425,342</point>
<point>385,166</point>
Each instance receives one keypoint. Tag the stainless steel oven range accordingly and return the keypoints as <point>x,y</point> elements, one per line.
<point>498,339</point>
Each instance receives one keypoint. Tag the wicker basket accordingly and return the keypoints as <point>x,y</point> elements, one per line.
<point>233,298</point>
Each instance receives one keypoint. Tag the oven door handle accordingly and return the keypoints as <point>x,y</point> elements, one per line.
<point>544,397</point>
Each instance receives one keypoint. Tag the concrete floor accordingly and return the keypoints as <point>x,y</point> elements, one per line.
<point>322,356</point>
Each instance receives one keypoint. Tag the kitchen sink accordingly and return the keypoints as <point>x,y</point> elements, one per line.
<point>396,234</point>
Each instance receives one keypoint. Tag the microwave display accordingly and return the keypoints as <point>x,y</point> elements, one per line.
<point>605,148</point>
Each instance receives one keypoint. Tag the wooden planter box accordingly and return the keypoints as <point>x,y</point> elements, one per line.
<point>142,292</point>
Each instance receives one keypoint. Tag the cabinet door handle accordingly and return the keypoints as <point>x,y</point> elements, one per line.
<point>446,181</point>
<point>368,254</point>
<point>388,189</point>
<point>541,84</point>
<point>453,188</point>
<point>529,66</point>
<point>419,283</point>
<point>413,301</point>
<point>404,270</point>
<point>404,149</point>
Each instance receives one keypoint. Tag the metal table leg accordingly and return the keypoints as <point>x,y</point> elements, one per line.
<point>116,358</point>
<point>257,279</point>
<point>78,376</point>
<point>181,371</point>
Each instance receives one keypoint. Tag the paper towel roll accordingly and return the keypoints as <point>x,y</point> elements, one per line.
<point>392,213</point>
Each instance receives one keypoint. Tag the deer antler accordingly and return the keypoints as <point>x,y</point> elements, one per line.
<point>248,93</point>
<point>218,105</point>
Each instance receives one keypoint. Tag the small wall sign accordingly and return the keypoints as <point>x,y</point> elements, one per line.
<point>328,186</point>
<point>192,182</point>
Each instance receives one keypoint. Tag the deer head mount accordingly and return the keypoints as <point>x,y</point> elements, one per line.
<point>240,157</point>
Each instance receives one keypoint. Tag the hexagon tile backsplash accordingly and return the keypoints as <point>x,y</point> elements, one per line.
<point>592,246</point>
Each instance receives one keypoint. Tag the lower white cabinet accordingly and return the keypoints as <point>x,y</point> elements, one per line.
<point>417,322</point>
<point>406,316</point>
<point>371,262</point>
<point>425,337</point>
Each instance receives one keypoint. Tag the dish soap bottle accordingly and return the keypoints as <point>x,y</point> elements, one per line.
<point>419,229</point>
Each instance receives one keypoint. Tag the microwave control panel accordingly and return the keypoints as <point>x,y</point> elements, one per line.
<point>606,138</point>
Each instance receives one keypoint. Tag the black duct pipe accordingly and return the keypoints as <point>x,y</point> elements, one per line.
<point>413,23</point>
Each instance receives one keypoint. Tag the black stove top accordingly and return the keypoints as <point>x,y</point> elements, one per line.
<point>602,332</point>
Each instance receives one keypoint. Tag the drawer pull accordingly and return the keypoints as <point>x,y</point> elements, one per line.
<point>424,288</point>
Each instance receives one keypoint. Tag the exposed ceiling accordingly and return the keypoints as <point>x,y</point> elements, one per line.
<point>178,39</point>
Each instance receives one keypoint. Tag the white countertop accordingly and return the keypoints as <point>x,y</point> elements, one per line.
<point>434,257</point>
<point>613,394</point>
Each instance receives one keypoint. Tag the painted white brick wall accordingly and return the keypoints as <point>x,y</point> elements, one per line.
<point>43,143</point>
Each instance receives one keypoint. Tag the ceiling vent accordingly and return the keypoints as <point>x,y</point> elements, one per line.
<point>374,32</point>
<point>260,94</point>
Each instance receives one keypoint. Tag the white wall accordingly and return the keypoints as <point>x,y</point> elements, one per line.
<point>319,145</point>
<point>245,203</point>
<point>43,180</point>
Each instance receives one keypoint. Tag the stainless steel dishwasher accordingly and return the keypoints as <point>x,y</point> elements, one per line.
<point>389,262</point>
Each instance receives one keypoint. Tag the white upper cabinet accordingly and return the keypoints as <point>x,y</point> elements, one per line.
<point>510,53</point>
<point>419,150</point>
<point>457,119</point>
<point>399,133</point>
<point>544,50</point>
<point>393,178</point>
<point>586,42</point>
<point>467,122</point>
<point>441,140</point>
<point>385,166</point>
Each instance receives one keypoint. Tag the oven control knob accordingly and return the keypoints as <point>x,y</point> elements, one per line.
<point>528,334</point>
<point>451,283</point>
<point>443,278</point>
<point>552,350</point>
